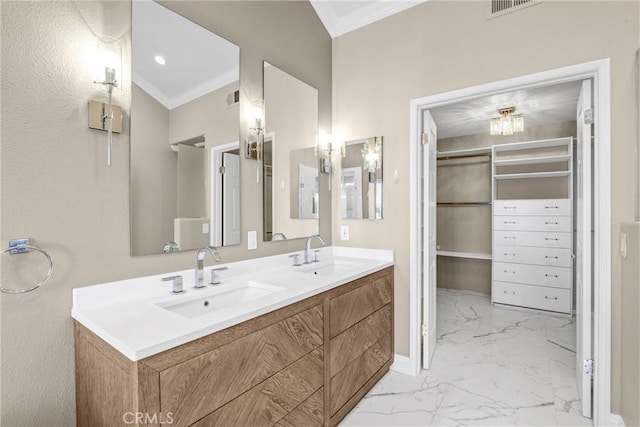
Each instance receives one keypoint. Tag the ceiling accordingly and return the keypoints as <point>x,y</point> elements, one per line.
<point>540,106</point>
<point>342,16</point>
<point>197,60</point>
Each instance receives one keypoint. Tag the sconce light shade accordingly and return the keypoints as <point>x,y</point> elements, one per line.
<point>326,145</point>
<point>372,154</point>
<point>256,127</point>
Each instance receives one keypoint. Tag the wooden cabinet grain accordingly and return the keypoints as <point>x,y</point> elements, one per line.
<point>308,364</point>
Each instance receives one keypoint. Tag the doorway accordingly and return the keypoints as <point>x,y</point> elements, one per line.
<point>225,194</point>
<point>422,258</point>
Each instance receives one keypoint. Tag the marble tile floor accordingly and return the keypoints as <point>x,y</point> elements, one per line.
<point>491,367</point>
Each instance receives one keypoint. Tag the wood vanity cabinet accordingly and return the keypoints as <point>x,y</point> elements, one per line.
<point>306,364</point>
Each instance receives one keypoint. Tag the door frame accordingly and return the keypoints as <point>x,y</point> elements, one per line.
<point>599,71</point>
<point>215,194</point>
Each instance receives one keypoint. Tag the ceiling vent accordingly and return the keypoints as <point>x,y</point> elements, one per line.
<point>233,98</point>
<point>502,7</point>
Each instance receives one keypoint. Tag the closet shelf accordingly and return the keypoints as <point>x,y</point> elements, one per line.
<point>554,174</point>
<point>463,203</point>
<point>471,255</point>
<point>469,152</point>
<point>532,160</point>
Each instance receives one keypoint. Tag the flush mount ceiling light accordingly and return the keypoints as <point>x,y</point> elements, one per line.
<point>508,123</point>
<point>159,59</point>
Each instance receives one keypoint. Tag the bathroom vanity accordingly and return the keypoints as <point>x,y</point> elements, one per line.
<point>290,346</point>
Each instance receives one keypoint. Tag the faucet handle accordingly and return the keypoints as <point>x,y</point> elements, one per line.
<point>215,280</point>
<point>177,284</point>
<point>296,260</point>
<point>316,256</point>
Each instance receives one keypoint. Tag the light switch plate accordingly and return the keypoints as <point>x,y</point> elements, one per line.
<point>252,240</point>
<point>205,228</point>
<point>344,232</point>
<point>623,245</point>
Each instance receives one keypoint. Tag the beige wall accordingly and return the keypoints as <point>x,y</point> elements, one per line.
<point>441,46</point>
<point>153,183</point>
<point>191,181</point>
<point>630,381</point>
<point>57,189</point>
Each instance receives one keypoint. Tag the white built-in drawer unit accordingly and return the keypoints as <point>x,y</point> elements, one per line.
<point>533,238</point>
<point>533,207</point>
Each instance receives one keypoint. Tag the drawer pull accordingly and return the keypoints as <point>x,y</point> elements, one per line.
<point>512,292</point>
<point>512,272</point>
<point>551,238</point>
<point>555,276</point>
<point>551,207</point>
<point>509,237</point>
<point>550,257</point>
<point>509,222</point>
<point>511,254</point>
<point>551,222</point>
<point>510,207</point>
<point>553,298</point>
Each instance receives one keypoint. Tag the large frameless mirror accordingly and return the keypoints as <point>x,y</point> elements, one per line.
<point>185,180</point>
<point>361,186</point>
<point>289,163</point>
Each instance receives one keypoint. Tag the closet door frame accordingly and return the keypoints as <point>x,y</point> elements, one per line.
<point>599,72</point>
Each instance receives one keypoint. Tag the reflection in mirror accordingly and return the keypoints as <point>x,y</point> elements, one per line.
<point>185,180</point>
<point>361,179</point>
<point>290,167</point>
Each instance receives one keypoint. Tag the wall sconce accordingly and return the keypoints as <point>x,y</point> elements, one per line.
<point>326,145</point>
<point>252,150</point>
<point>106,116</point>
<point>372,154</point>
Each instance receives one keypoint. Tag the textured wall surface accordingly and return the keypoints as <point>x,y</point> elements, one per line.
<point>57,189</point>
<point>441,46</point>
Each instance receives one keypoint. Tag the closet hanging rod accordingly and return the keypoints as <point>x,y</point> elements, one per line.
<point>464,156</point>
<point>463,203</point>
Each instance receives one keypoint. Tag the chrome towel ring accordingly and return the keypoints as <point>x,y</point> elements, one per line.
<point>21,246</point>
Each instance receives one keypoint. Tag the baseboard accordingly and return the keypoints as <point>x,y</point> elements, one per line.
<point>617,421</point>
<point>402,364</point>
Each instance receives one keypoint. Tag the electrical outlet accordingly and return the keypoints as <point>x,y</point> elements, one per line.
<point>344,232</point>
<point>205,228</point>
<point>252,240</point>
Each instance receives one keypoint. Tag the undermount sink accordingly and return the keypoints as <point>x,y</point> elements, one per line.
<point>328,268</point>
<point>247,292</point>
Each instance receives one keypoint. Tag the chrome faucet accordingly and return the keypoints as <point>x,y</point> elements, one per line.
<point>308,259</point>
<point>200,263</point>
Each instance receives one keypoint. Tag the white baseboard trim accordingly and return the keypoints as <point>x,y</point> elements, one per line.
<point>617,421</point>
<point>402,364</point>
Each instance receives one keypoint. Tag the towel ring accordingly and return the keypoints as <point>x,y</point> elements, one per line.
<point>23,246</point>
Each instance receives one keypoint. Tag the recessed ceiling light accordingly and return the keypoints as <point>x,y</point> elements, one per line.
<point>159,59</point>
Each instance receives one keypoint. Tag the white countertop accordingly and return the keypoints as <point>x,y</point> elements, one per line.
<point>128,314</point>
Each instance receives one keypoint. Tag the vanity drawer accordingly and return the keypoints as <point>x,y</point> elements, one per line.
<point>532,207</point>
<point>529,255</point>
<point>350,308</point>
<point>540,275</point>
<point>533,223</point>
<point>532,238</point>
<point>542,298</point>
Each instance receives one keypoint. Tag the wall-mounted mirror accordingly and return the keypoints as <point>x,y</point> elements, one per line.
<point>290,167</point>
<point>185,181</point>
<point>361,186</point>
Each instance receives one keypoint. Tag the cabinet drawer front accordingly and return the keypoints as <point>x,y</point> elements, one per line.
<point>348,381</point>
<point>273,399</point>
<point>556,277</point>
<point>310,413</point>
<point>551,299</point>
<point>528,255</point>
<point>234,368</point>
<point>532,207</point>
<point>540,239</point>
<point>353,306</point>
<point>532,223</point>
